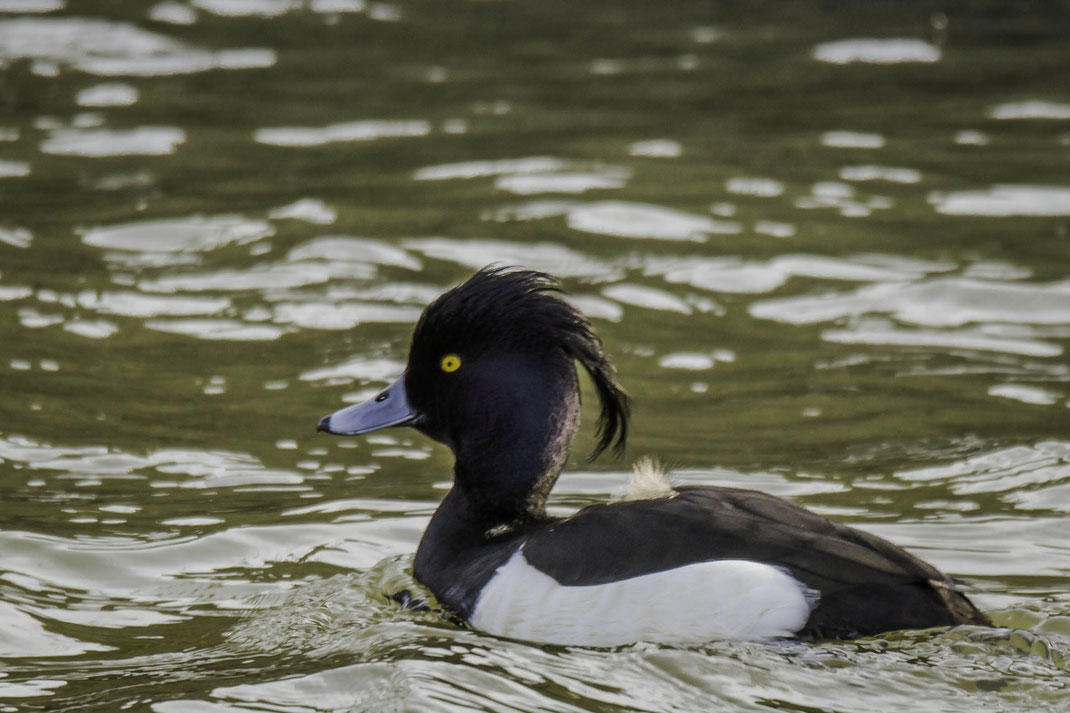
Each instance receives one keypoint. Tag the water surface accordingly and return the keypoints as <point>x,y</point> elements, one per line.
<point>827,246</point>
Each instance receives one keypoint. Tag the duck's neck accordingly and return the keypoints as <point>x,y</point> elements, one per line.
<point>504,472</point>
<point>511,450</point>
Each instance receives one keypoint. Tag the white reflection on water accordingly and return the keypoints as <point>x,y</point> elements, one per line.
<point>384,12</point>
<point>31,6</point>
<point>173,13</point>
<point>627,219</point>
<point>938,302</point>
<point>96,143</point>
<point>530,210</point>
<point>16,237</point>
<point>30,689</point>
<point>256,277</point>
<point>32,319</point>
<point>1012,472</point>
<point>221,329</point>
<point>277,8</point>
<point>746,276</point>
<point>774,228</point>
<point>134,304</point>
<point>24,635</point>
<point>606,67</point>
<point>875,331</point>
<point>697,361</point>
<point>656,148</point>
<point>154,569</point>
<point>318,315</point>
<point>475,169</point>
<point>10,293</point>
<point>247,8</point>
<point>122,180</point>
<point>150,244</point>
<point>972,137</point>
<point>548,257</point>
<point>91,328</point>
<point>894,50</point>
<point>108,94</point>
<point>1032,109</point>
<point>14,169</point>
<point>358,369</point>
<point>646,297</point>
<point>1006,200</point>
<point>354,250</point>
<point>994,270</point>
<point>351,259</point>
<point>841,196</point>
<point>332,6</point>
<point>852,140</point>
<point>762,187</point>
<point>880,173</point>
<point>407,293</point>
<point>193,234</point>
<point>183,63</point>
<point>1025,394</point>
<point>530,183</point>
<point>596,307</point>
<point>310,210</point>
<point>355,687</point>
<point>368,130</point>
<point>121,619</point>
<point>115,48</point>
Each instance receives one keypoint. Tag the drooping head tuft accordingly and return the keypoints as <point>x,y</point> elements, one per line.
<point>521,311</point>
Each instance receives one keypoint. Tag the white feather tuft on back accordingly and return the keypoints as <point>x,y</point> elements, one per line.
<point>696,603</point>
<point>648,481</point>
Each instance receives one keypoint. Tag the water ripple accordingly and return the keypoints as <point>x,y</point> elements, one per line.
<point>626,219</point>
<point>476,169</point>
<point>179,235</point>
<point>108,94</point>
<point>1031,109</point>
<point>734,275</point>
<point>1006,201</point>
<point>656,148</point>
<point>549,257</point>
<point>937,302</point>
<point>366,130</point>
<point>895,50</point>
<point>115,48</point>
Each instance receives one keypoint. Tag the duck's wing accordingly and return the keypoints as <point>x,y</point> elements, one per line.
<point>864,584</point>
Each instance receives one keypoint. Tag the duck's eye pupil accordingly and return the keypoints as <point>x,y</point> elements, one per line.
<point>450,363</point>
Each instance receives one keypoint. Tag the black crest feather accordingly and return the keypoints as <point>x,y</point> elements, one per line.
<point>523,309</point>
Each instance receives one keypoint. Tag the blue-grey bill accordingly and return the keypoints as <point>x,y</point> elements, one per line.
<point>389,408</point>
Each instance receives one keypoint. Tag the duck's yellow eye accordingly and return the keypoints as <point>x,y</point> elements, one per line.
<point>450,363</point>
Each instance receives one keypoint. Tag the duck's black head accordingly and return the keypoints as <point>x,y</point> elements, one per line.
<point>491,374</point>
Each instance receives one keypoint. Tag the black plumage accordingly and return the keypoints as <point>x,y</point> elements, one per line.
<point>866,584</point>
<point>508,407</point>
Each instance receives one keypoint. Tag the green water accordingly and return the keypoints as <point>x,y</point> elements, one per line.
<point>828,267</point>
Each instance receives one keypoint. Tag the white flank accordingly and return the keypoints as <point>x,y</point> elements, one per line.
<point>705,601</point>
<point>648,481</point>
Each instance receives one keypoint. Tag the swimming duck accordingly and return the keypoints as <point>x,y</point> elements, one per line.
<point>492,374</point>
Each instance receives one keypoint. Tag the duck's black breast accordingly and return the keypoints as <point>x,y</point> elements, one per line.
<point>865,584</point>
